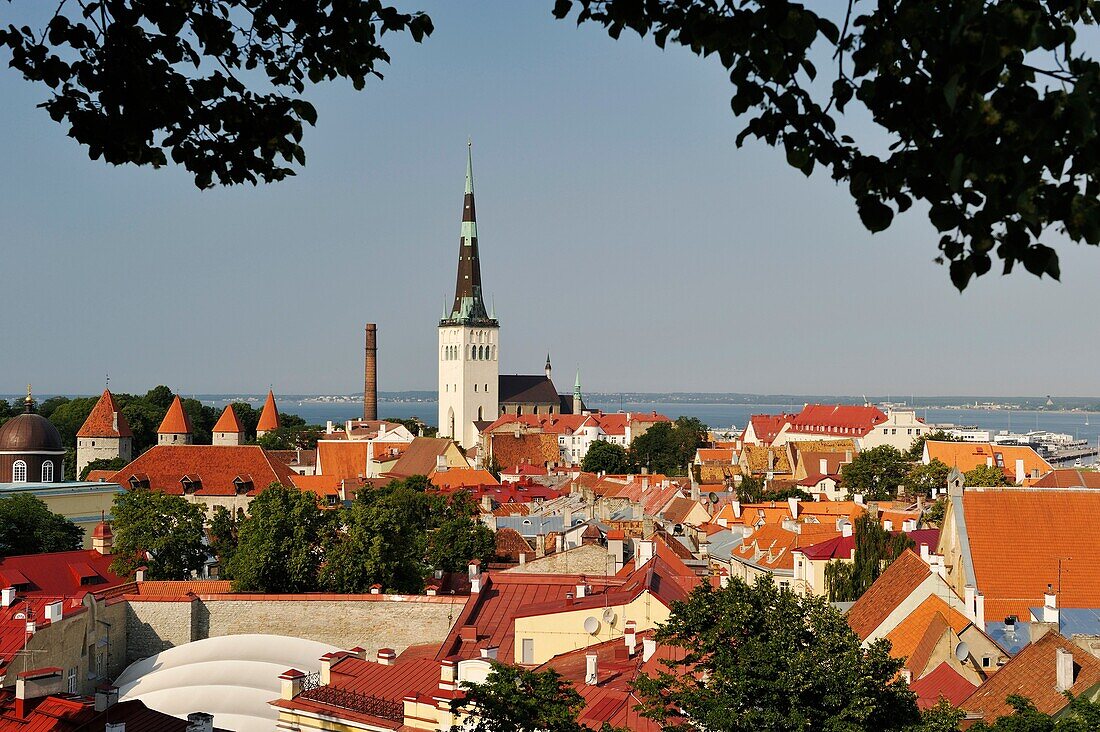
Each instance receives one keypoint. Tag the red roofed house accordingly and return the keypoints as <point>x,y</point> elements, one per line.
<point>216,475</point>
<point>105,434</point>
<point>1019,463</point>
<point>43,608</point>
<point>175,428</point>
<point>762,429</point>
<point>865,424</point>
<point>228,430</point>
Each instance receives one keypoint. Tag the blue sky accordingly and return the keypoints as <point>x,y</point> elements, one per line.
<point>620,229</point>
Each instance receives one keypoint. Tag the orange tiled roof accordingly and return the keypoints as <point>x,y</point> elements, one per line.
<point>1069,478</point>
<point>908,634</point>
<point>269,417</point>
<point>714,455</point>
<point>969,455</point>
<point>456,478</point>
<point>214,467</point>
<point>894,585</point>
<point>228,422</point>
<point>1023,539</point>
<point>343,459</point>
<point>105,420</point>
<point>1032,673</point>
<point>176,421</point>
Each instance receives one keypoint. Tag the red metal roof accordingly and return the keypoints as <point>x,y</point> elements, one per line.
<point>942,682</point>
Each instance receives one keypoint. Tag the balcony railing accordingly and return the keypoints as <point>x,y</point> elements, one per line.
<point>313,690</point>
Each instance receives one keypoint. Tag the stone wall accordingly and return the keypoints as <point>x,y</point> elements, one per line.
<point>344,621</point>
<point>591,559</point>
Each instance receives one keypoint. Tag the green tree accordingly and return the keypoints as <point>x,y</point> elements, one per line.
<point>1082,715</point>
<point>875,549</point>
<point>115,463</point>
<point>458,539</point>
<point>754,490</point>
<point>216,87</point>
<point>68,417</point>
<point>159,531</point>
<point>933,515</point>
<point>986,476</point>
<point>159,396</point>
<point>761,659</point>
<point>875,473</point>
<point>940,718</point>
<point>27,526</point>
<point>603,456</point>
<point>279,543</point>
<point>519,700</point>
<point>998,145</point>
<point>222,534</point>
<point>922,479</point>
<point>916,450</point>
<point>668,447</point>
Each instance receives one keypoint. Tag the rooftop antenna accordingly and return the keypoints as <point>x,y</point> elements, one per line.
<point>108,385</point>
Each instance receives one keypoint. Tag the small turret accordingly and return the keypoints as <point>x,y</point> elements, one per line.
<point>175,428</point>
<point>228,430</point>
<point>269,417</point>
<point>578,402</point>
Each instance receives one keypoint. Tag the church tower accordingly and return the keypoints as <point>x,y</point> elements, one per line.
<point>468,355</point>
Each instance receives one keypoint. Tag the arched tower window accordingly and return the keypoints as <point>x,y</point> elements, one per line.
<point>47,471</point>
<point>19,472</point>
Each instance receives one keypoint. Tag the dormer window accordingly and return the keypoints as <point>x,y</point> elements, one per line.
<point>191,484</point>
<point>242,484</point>
<point>137,482</point>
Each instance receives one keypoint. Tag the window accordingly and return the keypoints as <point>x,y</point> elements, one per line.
<point>19,472</point>
<point>47,471</point>
<point>986,661</point>
<point>71,681</point>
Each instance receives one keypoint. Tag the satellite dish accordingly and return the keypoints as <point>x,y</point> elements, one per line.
<point>608,615</point>
<point>713,498</point>
<point>591,625</point>
<point>962,651</point>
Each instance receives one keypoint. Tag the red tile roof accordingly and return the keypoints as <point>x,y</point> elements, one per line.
<point>768,426</point>
<point>459,478</point>
<point>1023,539</point>
<point>105,420</point>
<point>837,419</point>
<point>1032,673</point>
<point>269,417</point>
<point>214,466</point>
<point>228,422</point>
<point>1069,478</point>
<point>176,421</point>
<point>899,581</point>
<point>969,455</point>
<point>343,458</point>
<point>943,682</point>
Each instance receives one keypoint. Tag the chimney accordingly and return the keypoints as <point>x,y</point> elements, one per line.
<point>200,722</point>
<point>590,669</point>
<point>370,374</point>
<point>615,547</point>
<point>630,635</point>
<point>35,684</point>
<point>139,574</point>
<point>475,576</point>
<point>386,656</point>
<point>1021,474</point>
<point>645,481</point>
<point>846,528</point>
<point>792,503</point>
<point>447,675</point>
<point>567,517</point>
<point>105,698</point>
<point>1064,670</point>
<point>644,552</point>
<point>7,596</point>
<point>115,727</point>
<point>328,427</point>
<point>582,588</point>
<point>468,634</point>
<point>823,466</point>
<point>649,647</point>
<point>540,545</point>
<point>490,653</point>
<point>979,610</point>
<point>924,555</point>
<point>1050,606</point>
<point>969,593</point>
<point>858,497</point>
<point>736,508</point>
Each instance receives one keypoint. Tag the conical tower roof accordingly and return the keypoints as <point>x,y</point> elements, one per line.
<point>228,422</point>
<point>176,421</point>
<point>105,420</point>
<point>269,417</point>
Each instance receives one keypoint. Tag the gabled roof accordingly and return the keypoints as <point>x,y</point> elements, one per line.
<point>228,422</point>
<point>899,580</point>
<point>969,455</point>
<point>343,458</point>
<point>269,417</point>
<point>768,426</point>
<point>537,449</point>
<point>214,466</point>
<point>1032,673</point>
<point>176,421</point>
<point>105,420</point>
<point>460,478</point>
<point>943,682</point>
<point>420,457</point>
<point>837,419</point>
<point>526,389</point>
<point>929,619</point>
<point>1024,539</point>
<point>1069,478</point>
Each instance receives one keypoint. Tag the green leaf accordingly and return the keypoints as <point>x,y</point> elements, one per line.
<point>874,214</point>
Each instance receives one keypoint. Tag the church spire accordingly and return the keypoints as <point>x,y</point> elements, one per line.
<point>469,303</point>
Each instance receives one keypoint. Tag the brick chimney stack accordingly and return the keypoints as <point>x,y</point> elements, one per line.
<point>370,375</point>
